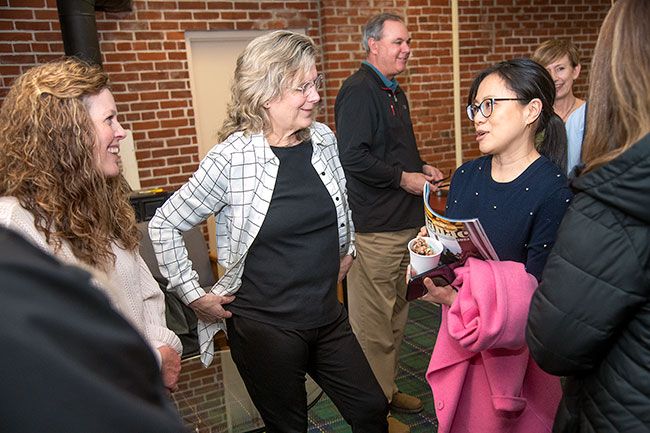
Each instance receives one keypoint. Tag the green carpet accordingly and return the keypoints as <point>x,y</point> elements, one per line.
<point>419,336</point>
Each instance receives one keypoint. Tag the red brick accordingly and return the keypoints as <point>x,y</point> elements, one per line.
<point>165,25</point>
<point>174,123</point>
<point>125,77</point>
<point>164,152</point>
<point>143,106</point>
<point>185,4</point>
<point>205,16</point>
<point>143,15</point>
<point>221,26</point>
<point>116,36</point>
<point>174,36</point>
<point>177,16</point>
<point>151,56</point>
<point>26,3</point>
<point>32,25</point>
<point>154,76</point>
<point>107,26</point>
<point>166,171</point>
<point>139,66</point>
<point>162,5</point>
<point>123,56</point>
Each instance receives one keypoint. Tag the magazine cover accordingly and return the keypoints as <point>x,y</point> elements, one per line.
<point>461,238</point>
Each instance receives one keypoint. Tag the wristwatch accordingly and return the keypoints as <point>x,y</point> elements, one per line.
<point>354,254</point>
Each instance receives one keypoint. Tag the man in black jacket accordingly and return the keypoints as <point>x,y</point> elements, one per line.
<point>69,362</point>
<point>385,176</point>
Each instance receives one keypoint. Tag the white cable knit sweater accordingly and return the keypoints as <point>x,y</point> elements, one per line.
<point>129,285</point>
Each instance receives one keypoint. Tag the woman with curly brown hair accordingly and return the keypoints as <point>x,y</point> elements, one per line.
<point>61,187</point>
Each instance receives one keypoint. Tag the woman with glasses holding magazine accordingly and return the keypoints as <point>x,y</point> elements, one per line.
<point>284,238</point>
<point>481,374</point>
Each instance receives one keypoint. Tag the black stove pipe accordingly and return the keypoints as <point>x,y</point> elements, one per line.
<point>79,29</point>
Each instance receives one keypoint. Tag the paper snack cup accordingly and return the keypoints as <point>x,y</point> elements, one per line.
<point>421,263</point>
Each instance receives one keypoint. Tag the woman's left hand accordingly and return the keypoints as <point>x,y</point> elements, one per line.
<point>439,294</point>
<point>435,294</point>
<point>344,267</point>
<point>170,367</point>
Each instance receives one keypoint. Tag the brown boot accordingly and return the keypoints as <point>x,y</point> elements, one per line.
<point>397,426</point>
<point>405,403</point>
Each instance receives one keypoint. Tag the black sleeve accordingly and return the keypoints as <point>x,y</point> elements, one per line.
<point>592,284</point>
<point>70,363</point>
<point>356,126</point>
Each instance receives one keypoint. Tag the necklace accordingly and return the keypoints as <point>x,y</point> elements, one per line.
<point>509,171</point>
<point>566,113</point>
<point>290,141</point>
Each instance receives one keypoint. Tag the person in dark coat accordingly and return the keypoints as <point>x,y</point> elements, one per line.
<point>590,317</point>
<point>70,363</point>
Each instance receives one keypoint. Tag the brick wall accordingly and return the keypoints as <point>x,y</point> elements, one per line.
<point>201,397</point>
<point>144,52</point>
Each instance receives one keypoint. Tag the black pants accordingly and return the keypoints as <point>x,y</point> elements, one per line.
<point>273,363</point>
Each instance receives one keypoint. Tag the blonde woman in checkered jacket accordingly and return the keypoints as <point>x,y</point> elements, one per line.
<point>284,237</point>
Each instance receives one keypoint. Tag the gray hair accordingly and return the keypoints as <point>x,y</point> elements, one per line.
<point>375,26</point>
<point>268,65</point>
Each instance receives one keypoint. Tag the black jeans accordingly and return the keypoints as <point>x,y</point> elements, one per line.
<point>273,363</point>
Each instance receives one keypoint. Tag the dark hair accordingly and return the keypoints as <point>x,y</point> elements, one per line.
<point>529,80</point>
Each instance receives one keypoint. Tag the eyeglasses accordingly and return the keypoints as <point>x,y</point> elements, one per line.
<point>486,107</point>
<point>315,84</point>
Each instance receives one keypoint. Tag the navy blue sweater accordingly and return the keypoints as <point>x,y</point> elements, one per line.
<point>520,217</point>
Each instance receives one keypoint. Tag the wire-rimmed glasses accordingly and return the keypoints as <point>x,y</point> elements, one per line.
<point>305,88</point>
<point>486,107</point>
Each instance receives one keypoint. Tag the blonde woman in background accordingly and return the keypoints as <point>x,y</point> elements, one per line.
<point>61,187</point>
<point>590,317</point>
<point>561,60</point>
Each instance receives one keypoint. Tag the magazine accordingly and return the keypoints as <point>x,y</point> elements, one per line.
<point>461,239</point>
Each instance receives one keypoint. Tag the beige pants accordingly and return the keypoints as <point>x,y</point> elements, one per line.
<point>377,300</point>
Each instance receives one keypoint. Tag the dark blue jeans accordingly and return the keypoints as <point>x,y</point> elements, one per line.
<point>273,363</point>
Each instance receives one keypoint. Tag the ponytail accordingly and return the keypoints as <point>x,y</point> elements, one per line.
<point>554,141</point>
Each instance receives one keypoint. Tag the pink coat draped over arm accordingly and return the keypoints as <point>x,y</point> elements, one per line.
<point>481,373</point>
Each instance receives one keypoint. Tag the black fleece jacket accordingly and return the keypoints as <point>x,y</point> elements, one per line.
<point>376,144</point>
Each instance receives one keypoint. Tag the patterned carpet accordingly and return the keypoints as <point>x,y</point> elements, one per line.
<point>419,336</point>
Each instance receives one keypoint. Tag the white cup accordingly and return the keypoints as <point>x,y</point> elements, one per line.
<point>421,263</point>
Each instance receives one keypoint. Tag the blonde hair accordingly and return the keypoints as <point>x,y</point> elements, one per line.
<point>265,69</point>
<point>47,161</point>
<point>618,114</point>
<point>554,49</point>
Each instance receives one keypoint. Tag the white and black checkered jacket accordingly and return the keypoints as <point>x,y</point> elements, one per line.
<point>235,182</point>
